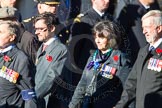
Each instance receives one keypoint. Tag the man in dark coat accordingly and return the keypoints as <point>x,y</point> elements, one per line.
<point>16,80</point>
<point>144,82</point>
<point>130,18</point>
<point>51,57</point>
<point>27,42</point>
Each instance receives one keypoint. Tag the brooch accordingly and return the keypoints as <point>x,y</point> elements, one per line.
<point>158,51</point>
<point>49,58</point>
<point>116,58</point>
<point>7,58</point>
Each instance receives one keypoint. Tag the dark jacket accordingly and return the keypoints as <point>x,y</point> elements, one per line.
<point>106,91</point>
<point>130,18</point>
<point>49,66</point>
<point>28,43</point>
<point>144,81</point>
<point>10,91</point>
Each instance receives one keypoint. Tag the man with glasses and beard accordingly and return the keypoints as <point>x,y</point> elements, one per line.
<point>51,57</point>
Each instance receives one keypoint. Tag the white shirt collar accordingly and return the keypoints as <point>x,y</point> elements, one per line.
<point>100,13</point>
<point>7,49</point>
<point>157,43</point>
<point>50,40</point>
<point>146,7</point>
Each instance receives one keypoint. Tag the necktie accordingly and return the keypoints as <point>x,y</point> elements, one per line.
<point>148,9</point>
<point>151,48</point>
<point>44,47</point>
<point>103,16</point>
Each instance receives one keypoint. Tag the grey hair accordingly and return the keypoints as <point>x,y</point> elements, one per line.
<point>156,16</point>
<point>13,27</point>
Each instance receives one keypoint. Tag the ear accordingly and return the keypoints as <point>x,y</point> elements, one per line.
<point>52,29</point>
<point>159,29</point>
<point>92,1</point>
<point>13,38</point>
<point>39,7</point>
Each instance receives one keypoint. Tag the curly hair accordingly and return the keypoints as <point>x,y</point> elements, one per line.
<point>109,30</point>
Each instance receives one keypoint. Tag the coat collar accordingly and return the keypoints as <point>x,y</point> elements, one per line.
<point>48,49</point>
<point>111,59</point>
<point>158,51</point>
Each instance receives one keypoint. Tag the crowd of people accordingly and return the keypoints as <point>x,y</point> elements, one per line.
<point>99,60</point>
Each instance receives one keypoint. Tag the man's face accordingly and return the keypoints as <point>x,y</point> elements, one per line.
<point>150,30</point>
<point>5,37</point>
<point>101,5</point>
<point>47,8</point>
<point>10,3</point>
<point>41,30</point>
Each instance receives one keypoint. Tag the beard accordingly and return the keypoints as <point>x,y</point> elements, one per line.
<point>152,39</point>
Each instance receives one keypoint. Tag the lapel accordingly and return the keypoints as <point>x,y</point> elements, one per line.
<point>47,51</point>
<point>110,59</point>
<point>50,48</point>
<point>10,54</point>
<point>141,9</point>
<point>94,16</point>
<point>143,54</point>
<point>39,52</point>
<point>157,54</point>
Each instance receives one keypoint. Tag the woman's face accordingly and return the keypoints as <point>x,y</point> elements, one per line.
<point>101,42</point>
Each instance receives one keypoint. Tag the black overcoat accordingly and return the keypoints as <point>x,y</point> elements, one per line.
<point>144,81</point>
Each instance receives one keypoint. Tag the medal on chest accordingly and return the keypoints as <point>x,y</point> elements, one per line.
<point>9,74</point>
<point>103,69</point>
<point>107,71</point>
<point>155,64</point>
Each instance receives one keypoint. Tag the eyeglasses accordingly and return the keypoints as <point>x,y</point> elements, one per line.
<point>41,29</point>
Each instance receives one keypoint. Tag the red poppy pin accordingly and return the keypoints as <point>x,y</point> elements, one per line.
<point>49,58</point>
<point>158,51</point>
<point>116,58</point>
<point>7,58</point>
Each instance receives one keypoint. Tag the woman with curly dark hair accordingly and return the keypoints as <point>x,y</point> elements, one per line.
<point>105,73</point>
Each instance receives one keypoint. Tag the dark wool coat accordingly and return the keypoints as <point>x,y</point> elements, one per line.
<point>144,83</point>
<point>10,92</point>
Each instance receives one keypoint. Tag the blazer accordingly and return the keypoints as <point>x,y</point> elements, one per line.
<point>49,65</point>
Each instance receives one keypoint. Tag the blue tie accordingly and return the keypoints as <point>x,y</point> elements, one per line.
<point>151,48</point>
